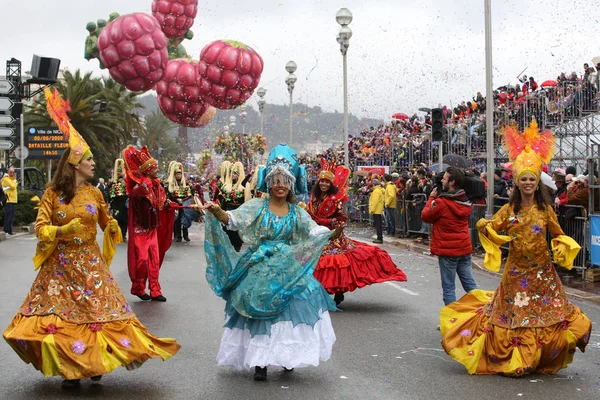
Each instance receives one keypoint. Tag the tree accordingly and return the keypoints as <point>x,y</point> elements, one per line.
<point>106,130</point>
<point>156,136</point>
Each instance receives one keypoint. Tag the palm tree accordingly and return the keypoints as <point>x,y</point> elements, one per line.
<point>156,136</point>
<point>106,131</point>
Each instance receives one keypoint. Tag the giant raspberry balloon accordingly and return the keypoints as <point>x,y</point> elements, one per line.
<point>175,16</point>
<point>134,48</point>
<point>179,96</point>
<point>228,72</point>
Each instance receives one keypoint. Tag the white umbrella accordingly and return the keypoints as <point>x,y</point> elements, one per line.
<point>596,60</point>
<point>547,180</point>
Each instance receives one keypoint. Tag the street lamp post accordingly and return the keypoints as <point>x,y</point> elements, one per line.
<point>232,129</point>
<point>261,106</point>
<point>243,114</point>
<point>291,79</point>
<point>344,17</point>
<point>489,109</point>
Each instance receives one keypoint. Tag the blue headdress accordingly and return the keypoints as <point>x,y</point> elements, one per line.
<point>283,163</point>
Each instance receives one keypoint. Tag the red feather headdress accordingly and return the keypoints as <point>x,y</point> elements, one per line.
<point>528,150</point>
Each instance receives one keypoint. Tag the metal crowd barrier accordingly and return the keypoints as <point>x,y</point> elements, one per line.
<point>413,208</point>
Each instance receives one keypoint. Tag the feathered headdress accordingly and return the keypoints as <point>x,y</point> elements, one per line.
<point>327,169</point>
<point>57,109</point>
<point>529,150</point>
<point>138,163</point>
<point>237,187</point>
<point>336,174</point>
<point>119,167</point>
<point>175,168</point>
<point>225,169</point>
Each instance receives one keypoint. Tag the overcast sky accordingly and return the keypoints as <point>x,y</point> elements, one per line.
<point>403,54</point>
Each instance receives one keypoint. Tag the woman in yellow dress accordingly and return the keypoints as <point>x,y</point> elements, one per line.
<point>527,325</point>
<point>75,322</point>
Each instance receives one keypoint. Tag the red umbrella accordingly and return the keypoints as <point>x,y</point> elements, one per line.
<point>549,83</point>
<point>400,116</point>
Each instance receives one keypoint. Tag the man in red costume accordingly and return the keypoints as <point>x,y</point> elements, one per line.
<point>151,218</point>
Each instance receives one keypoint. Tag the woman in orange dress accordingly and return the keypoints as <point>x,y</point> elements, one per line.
<point>345,264</point>
<point>527,325</point>
<point>75,322</point>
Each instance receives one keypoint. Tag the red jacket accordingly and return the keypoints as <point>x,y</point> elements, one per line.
<point>449,213</point>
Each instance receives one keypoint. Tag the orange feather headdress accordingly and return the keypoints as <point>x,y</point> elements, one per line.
<point>528,150</point>
<point>57,109</point>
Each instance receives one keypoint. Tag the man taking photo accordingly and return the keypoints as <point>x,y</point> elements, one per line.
<point>449,214</point>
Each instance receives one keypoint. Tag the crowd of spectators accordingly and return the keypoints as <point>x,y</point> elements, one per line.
<point>407,142</point>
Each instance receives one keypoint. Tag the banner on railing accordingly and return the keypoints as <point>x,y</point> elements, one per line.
<point>374,169</point>
<point>595,239</point>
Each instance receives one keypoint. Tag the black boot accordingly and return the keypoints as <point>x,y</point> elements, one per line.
<point>338,298</point>
<point>260,374</point>
<point>70,383</point>
<point>96,378</point>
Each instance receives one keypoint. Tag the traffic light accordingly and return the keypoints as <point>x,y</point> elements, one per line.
<point>437,125</point>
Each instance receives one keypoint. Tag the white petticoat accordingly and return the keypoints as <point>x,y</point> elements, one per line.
<point>288,346</point>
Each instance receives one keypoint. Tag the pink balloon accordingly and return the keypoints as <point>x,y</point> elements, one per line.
<point>134,49</point>
<point>175,17</point>
<point>179,95</point>
<point>228,73</point>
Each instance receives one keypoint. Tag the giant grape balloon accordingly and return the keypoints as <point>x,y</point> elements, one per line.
<point>179,96</point>
<point>175,16</point>
<point>134,49</point>
<point>228,73</point>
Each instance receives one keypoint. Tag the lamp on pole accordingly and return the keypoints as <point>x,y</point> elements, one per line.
<point>344,17</point>
<point>261,106</point>
<point>243,114</point>
<point>489,108</point>
<point>232,129</point>
<point>291,79</point>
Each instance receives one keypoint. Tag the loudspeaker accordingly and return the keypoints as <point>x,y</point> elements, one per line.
<point>437,124</point>
<point>16,110</point>
<point>45,67</point>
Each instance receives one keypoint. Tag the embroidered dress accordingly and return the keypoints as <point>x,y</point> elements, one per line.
<point>527,324</point>
<point>75,322</point>
<point>347,264</point>
<point>277,313</point>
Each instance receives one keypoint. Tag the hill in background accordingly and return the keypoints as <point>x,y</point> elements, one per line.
<point>311,124</point>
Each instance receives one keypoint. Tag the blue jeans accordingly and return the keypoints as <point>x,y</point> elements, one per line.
<point>390,220</point>
<point>449,268</point>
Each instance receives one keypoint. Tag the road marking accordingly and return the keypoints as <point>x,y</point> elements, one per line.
<point>405,290</point>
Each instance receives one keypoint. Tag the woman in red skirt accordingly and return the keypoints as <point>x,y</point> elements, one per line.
<point>345,264</point>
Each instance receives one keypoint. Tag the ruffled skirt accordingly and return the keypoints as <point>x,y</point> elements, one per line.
<point>485,348</point>
<point>76,351</point>
<point>346,265</point>
<point>302,335</point>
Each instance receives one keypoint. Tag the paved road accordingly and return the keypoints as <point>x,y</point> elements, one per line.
<point>387,348</point>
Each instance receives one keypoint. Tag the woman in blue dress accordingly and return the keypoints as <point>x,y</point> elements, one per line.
<point>277,313</point>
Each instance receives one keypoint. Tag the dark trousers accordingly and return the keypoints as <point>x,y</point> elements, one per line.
<point>235,239</point>
<point>119,211</point>
<point>9,217</point>
<point>378,222</point>
<point>177,229</point>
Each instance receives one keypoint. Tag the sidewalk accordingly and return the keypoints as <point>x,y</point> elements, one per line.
<point>18,231</point>
<point>575,286</point>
